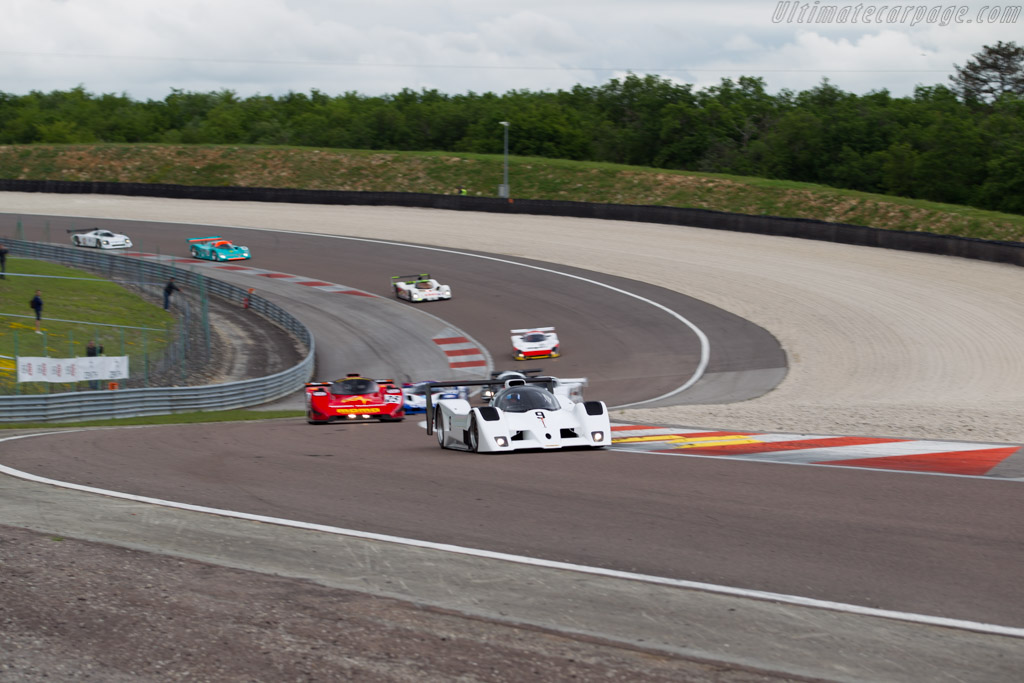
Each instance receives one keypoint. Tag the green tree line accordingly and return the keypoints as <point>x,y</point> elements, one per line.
<point>936,144</point>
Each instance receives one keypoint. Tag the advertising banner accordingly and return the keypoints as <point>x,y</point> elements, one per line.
<point>60,370</point>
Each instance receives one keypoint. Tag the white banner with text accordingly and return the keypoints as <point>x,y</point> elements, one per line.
<point>43,369</point>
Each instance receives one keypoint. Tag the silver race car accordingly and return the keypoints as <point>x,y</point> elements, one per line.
<point>99,238</point>
<point>527,413</point>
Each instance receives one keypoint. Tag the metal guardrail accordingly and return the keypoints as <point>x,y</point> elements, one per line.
<point>83,405</point>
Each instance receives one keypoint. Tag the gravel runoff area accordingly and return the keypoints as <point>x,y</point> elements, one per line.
<point>879,342</point>
<point>71,610</point>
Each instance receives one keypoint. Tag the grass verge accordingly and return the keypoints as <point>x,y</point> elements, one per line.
<point>77,306</point>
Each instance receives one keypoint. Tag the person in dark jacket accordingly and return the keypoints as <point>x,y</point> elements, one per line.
<point>3,262</point>
<point>169,288</point>
<point>37,305</point>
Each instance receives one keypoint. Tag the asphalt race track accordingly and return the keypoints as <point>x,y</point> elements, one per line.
<point>939,546</point>
<point>684,518</point>
<point>630,350</point>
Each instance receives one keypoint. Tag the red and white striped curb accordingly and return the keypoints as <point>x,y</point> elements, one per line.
<point>249,270</point>
<point>946,457</point>
<point>462,352</point>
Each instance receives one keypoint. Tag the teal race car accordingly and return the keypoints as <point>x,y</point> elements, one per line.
<point>217,249</point>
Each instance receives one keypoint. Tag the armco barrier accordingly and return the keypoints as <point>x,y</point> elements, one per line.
<point>84,405</point>
<point>963,247</point>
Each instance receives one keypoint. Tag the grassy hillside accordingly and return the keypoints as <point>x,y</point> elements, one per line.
<point>533,178</point>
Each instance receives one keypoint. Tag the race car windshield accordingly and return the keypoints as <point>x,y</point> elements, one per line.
<point>535,337</point>
<point>525,399</point>
<point>423,284</point>
<point>354,386</point>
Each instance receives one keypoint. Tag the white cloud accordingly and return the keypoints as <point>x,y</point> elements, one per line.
<point>276,46</point>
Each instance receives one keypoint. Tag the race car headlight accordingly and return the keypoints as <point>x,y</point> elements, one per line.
<point>598,437</point>
<point>501,441</point>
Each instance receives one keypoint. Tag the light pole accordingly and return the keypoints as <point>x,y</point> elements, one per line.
<point>503,189</point>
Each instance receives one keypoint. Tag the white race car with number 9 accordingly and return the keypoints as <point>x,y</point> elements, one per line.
<point>527,413</point>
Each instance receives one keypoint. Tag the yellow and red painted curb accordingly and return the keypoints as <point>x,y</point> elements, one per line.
<point>942,457</point>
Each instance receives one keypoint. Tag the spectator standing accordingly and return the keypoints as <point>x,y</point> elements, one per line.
<point>37,305</point>
<point>169,289</point>
<point>3,262</point>
<point>91,350</point>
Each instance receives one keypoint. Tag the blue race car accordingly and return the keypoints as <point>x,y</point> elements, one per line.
<point>217,249</point>
<point>416,395</point>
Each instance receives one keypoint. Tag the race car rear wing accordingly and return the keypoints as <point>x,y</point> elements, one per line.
<point>531,371</point>
<point>204,239</point>
<point>410,279</point>
<point>351,374</point>
<point>70,230</point>
<point>549,382</point>
<point>532,329</point>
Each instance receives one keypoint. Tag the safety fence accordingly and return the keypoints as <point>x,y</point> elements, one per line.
<point>132,402</point>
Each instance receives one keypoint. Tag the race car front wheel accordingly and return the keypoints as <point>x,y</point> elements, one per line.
<point>439,427</point>
<point>473,436</point>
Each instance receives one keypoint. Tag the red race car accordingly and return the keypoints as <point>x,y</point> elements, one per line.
<point>354,398</point>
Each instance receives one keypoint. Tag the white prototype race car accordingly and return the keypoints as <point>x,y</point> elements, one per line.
<point>534,342</point>
<point>422,287</point>
<point>528,413</point>
<point>101,239</point>
<point>415,395</point>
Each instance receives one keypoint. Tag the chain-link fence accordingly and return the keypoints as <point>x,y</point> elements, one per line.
<point>184,353</point>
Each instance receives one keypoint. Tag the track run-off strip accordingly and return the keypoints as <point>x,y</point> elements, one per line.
<point>908,455</point>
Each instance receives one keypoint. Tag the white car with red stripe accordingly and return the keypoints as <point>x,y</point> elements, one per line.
<point>534,342</point>
<point>422,287</point>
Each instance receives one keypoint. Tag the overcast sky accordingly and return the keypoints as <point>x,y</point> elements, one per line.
<point>147,48</point>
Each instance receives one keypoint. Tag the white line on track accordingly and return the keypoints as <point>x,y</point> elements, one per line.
<point>979,627</point>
